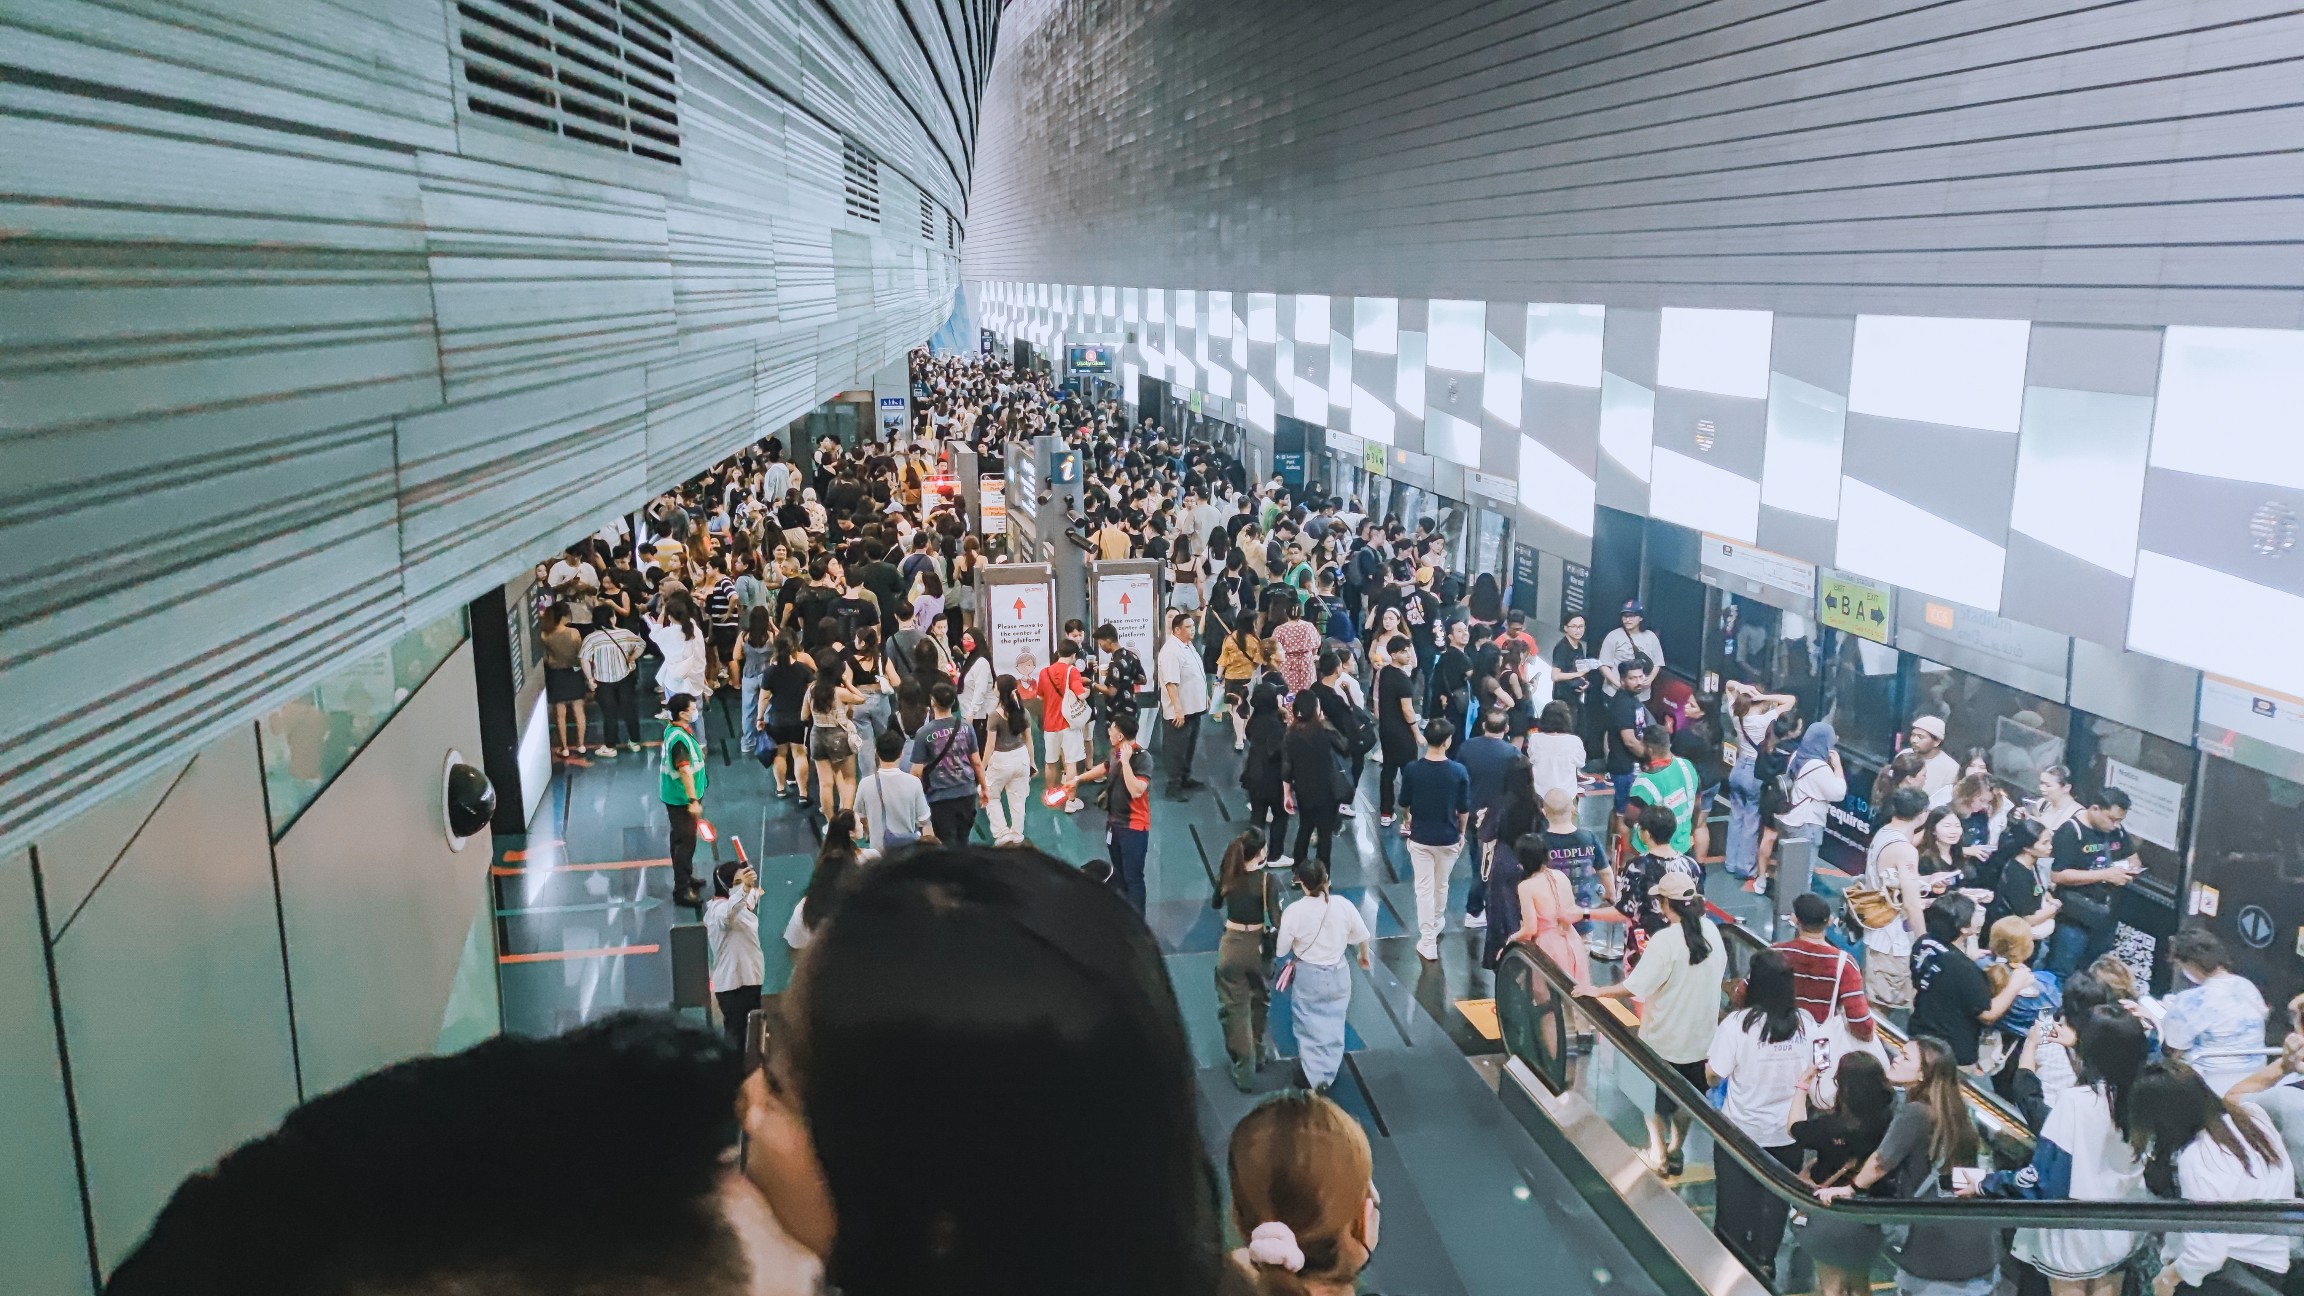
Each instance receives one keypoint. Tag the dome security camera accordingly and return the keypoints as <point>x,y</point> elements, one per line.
<point>468,800</point>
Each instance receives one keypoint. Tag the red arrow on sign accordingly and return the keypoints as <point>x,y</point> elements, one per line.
<point>1019,608</point>
<point>1123,605</point>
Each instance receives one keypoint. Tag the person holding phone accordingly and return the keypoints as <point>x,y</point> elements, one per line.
<point>732,926</point>
<point>1766,1056</point>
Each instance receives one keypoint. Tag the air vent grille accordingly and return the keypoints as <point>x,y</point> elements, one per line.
<point>862,173</point>
<point>951,232</point>
<point>927,221</point>
<point>601,72</point>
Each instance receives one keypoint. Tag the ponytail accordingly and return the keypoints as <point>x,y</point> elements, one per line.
<point>1691,914</point>
<point>1247,846</point>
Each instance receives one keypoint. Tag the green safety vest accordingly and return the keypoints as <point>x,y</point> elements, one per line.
<point>675,792</point>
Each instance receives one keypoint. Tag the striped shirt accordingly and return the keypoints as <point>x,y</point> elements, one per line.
<point>609,653</point>
<point>720,607</point>
<point>1825,978</point>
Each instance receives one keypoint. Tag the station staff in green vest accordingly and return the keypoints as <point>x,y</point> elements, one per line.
<point>682,776</point>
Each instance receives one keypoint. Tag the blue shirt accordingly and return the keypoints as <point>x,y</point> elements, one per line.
<point>2223,1013</point>
<point>1435,791</point>
<point>1484,759</point>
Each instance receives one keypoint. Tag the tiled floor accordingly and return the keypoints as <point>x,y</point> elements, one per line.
<point>1470,1204</point>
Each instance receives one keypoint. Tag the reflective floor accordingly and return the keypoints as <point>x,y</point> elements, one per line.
<point>1471,1205</point>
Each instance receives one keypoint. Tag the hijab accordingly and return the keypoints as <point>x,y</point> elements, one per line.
<point>1815,746</point>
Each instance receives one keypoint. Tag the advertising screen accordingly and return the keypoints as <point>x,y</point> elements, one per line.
<point>1088,359</point>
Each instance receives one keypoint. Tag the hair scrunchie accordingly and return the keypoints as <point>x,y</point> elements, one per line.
<point>1273,1243</point>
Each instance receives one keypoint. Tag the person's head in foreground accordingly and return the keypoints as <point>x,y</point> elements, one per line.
<point>979,1084</point>
<point>1302,1196</point>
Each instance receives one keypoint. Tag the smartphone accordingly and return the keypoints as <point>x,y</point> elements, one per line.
<point>1820,1053</point>
<point>1966,1178</point>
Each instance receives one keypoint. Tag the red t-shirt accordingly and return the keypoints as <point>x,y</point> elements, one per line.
<point>1824,977</point>
<point>1055,681</point>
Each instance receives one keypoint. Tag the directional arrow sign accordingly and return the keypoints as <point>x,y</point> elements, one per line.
<point>1127,602</point>
<point>1020,628</point>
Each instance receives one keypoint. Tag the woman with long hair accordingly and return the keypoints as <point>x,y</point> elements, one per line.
<point>1677,982</point>
<point>786,683</point>
<point>1556,753</point>
<point>1316,931</point>
<point>1061,1141</point>
<point>1242,655</point>
<point>1485,602</point>
<point>1751,716</point>
<point>1243,973</point>
<point>1549,914</point>
<point>960,595</point>
<point>978,690</point>
<point>1505,865</point>
<point>1260,772</point>
<point>680,636</point>
<point>2082,1153</point>
<point>1303,1197</point>
<point>2017,867</point>
<point>1762,1052</point>
<point>833,742</point>
<point>1007,764</point>
<point>756,649</point>
<point>1938,842</point>
<point>1932,1135</point>
<point>1397,738</point>
<point>1842,1137</point>
<point>1308,756</point>
<point>1908,769</point>
<point>2203,1149</point>
<point>835,868</point>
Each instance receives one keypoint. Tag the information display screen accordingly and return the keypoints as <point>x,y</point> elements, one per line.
<point>1088,359</point>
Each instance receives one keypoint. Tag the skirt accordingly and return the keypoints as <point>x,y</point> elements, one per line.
<point>564,684</point>
<point>1317,998</point>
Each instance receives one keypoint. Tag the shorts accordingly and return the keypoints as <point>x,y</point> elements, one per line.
<point>1666,1104</point>
<point>564,684</point>
<point>1237,690</point>
<point>724,641</point>
<point>787,731</point>
<point>1623,785</point>
<point>1065,744</point>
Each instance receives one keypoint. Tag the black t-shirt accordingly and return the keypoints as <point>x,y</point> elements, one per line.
<point>787,684</point>
<point>2078,846</point>
<point>1564,658</point>
<point>1624,711</point>
<point>1392,687</point>
<point>853,613</point>
<point>813,605</point>
<point>1949,997</point>
<point>1575,853</point>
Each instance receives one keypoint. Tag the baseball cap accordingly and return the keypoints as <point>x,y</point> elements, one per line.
<point>1632,608</point>
<point>1676,886</point>
<point>1933,726</point>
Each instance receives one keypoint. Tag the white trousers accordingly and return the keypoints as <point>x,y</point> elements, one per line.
<point>1433,864</point>
<point>1008,778</point>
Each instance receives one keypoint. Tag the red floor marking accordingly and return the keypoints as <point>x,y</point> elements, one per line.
<point>553,956</point>
<point>500,871</point>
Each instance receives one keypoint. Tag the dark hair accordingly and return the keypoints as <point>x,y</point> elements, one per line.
<point>1811,911</point>
<point>2084,993</point>
<point>1658,824</point>
<point>889,746</point>
<point>1011,705</point>
<point>678,703</point>
<point>1108,633</point>
<point>1556,718</point>
<point>1947,918</point>
<point>2199,947</point>
<point>943,695</point>
<point>757,625</point>
<point>835,868</point>
<point>2170,1106</point>
<point>1862,1094</point>
<point>1952,1137</point>
<point>1312,875</point>
<point>2019,836</point>
<point>1690,913</point>
<point>1438,732</point>
<point>2111,1049</point>
<point>1768,998</point>
<point>460,1170</point>
<point>1043,997</point>
<point>2110,798</point>
<point>1639,662</point>
<point>1907,803</point>
<point>1125,720</point>
<point>1247,846</point>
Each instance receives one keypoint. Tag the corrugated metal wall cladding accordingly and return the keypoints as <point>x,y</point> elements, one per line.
<point>287,371</point>
<point>2107,160</point>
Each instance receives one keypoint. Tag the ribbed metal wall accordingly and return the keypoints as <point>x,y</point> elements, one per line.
<point>2089,161</point>
<point>298,350</point>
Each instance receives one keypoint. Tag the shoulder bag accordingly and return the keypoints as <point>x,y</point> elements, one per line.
<point>888,840</point>
<point>1287,975</point>
<point>1074,707</point>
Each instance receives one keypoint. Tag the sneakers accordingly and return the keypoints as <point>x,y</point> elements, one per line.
<point>1384,819</point>
<point>631,746</point>
<point>1280,862</point>
<point>1474,922</point>
<point>1073,806</point>
<point>1429,951</point>
<point>1346,812</point>
<point>604,752</point>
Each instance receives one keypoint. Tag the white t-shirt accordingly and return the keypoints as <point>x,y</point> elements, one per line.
<point>1679,1004</point>
<point>1752,729</point>
<point>1318,929</point>
<point>1763,1077</point>
<point>1554,760</point>
<point>1180,665</point>
<point>891,800</point>
<point>683,668</point>
<point>565,572</point>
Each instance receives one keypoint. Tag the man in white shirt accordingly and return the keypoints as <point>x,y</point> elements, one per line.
<point>608,656</point>
<point>574,582</point>
<point>1938,771</point>
<point>1183,700</point>
<point>891,804</point>
<point>1631,638</point>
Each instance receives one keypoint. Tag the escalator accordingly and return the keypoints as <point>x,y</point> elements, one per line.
<point>1578,1078</point>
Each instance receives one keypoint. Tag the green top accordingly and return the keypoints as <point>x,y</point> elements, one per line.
<point>680,747</point>
<point>1673,787</point>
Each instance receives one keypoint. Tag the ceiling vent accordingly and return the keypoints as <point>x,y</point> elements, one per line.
<point>927,221</point>
<point>601,72</point>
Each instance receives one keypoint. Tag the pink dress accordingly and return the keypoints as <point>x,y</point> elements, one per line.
<point>1548,915</point>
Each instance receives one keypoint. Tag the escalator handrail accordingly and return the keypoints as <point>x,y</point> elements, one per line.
<point>1979,1096</point>
<point>2144,1216</point>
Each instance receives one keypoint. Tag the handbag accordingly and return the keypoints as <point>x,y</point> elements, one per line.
<point>1074,707</point>
<point>1287,975</point>
<point>1867,907</point>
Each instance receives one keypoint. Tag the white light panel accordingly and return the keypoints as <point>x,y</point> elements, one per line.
<point>1959,372</point>
<point>1457,328</point>
<point>2231,405</point>
<point>1627,423</point>
<point>1376,325</point>
<point>1800,467</point>
<point>1500,384</point>
<point>2174,600</point>
<point>1888,539</point>
<point>1724,352</point>
<point>1552,488</point>
<point>1704,496</point>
